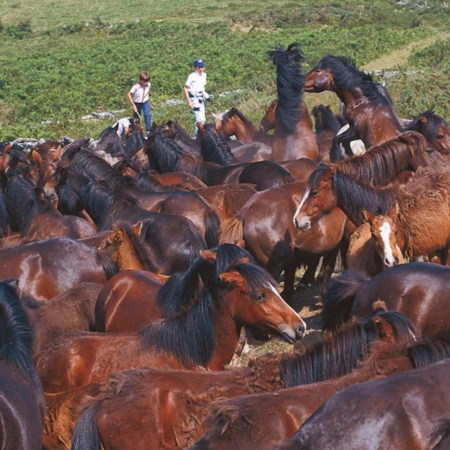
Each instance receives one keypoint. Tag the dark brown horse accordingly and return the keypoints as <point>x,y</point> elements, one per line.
<point>435,129</point>
<point>242,422</point>
<point>394,420</point>
<point>204,334</point>
<point>293,134</point>
<point>173,404</point>
<point>423,214</point>
<point>326,127</point>
<point>48,268</point>
<point>166,156</point>
<point>419,290</point>
<point>22,401</point>
<point>367,108</point>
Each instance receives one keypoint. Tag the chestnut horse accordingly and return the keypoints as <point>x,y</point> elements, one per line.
<point>419,290</point>
<point>22,401</point>
<point>368,111</point>
<point>204,334</point>
<point>48,268</point>
<point>173,404</point>
<point>133,298</point>
<point>242,422</point>
<point>265,225</point>
<point>373,246</point>
<point>293,134</point>
<point>423,214</point>
<point>394,420</point>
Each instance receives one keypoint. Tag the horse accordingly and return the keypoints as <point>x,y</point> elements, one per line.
<point>204,335</point>
<point>435,129</point>
<point>396,420</point>
<point>166,156</point>
<point>372,246</point>
<point>187,204</point>
<point>22,401</point>
<point>326,127</point>
<point>175,403</point>
<point>422,206</point>
<point>293,134</point>
<point>418,289</point>
<point>48,268</point>
<point>242,422</point>
<point>72,310</point>
<point>133,298</point>
<point>35,218</point>
<point>367,108</point>
<point>265,225</point>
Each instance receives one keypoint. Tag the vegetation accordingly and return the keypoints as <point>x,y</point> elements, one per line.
<point>61,62</point>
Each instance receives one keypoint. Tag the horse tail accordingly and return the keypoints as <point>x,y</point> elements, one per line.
<point>338,297</point>
<point>109,266</point>
<point>231,231</point>
<point>85,434</point>
<point>212,227</point>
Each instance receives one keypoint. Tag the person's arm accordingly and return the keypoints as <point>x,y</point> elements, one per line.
<point>186,94</point>
<point>130,99</point>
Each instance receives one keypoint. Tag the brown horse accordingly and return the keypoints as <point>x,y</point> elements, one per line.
<point>242,422</point>
<point>419,290</point>
<point>435,129</point>
<point>373,247</point>
<point>367,108</point>
<point>199,336</point>
<point>173,404</point>
<point>423,214</point>
<point>265,224</point>
<point>293,134</point>
<point>326,126</point>
<point>48,268</point>
<point>394,420</point>
<point>22,401</point>
<point>72,310</point>
<point>133,298</point>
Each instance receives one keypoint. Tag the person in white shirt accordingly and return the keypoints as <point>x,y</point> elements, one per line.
<point>138,96</point>
<point>194,91</point>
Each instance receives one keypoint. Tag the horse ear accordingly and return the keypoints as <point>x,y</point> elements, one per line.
<point>393,213</point>
<point>380,305</point>
<point>232,279</point>
<point>367,215</point>
<point>208,255</point>
<point>57,153</point>
<point>36,156</point>
<point>384,329</point>
<point>240,243</point>
<point>424,119</point>
<point>137,228</point>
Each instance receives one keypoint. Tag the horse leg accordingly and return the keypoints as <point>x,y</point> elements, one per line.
<point>289,279</point>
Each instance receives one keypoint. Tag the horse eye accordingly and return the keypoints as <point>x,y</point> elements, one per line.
<point>430,150</point>
<point>313,193</point>
<point>260,297</point>
<point>440,136</point>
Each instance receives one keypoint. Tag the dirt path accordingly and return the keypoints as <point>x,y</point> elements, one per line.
<point>401,56</point>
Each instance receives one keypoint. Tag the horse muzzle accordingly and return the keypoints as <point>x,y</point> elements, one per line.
<point>302,223</point>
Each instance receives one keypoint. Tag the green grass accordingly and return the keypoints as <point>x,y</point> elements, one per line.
<point>61,62</point>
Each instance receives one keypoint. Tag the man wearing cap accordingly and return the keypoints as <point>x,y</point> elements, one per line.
<point>194,91</point>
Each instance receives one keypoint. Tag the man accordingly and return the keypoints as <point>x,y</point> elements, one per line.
<point>194,91</point>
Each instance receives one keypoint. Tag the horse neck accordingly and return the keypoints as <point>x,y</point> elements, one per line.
<point>245,132</point>
<point>227,334</point>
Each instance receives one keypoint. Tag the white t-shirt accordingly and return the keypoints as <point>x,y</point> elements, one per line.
<point>121,124</point>
<point>140,93</point>
<point>196,83</point>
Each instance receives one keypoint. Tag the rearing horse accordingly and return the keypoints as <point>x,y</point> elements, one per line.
<point>367,108</point>
<point>293,135</point>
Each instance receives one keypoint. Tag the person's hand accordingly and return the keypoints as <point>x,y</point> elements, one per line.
<point>135,108</point>
<point>190,105</point>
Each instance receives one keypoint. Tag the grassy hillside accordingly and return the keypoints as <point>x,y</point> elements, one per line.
<point>61,62</point>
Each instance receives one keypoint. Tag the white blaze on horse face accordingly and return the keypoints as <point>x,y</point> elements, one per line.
<point>385,232</point>
<point>302,202</point>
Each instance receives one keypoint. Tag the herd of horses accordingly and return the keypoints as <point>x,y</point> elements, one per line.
<point>133,269</point>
